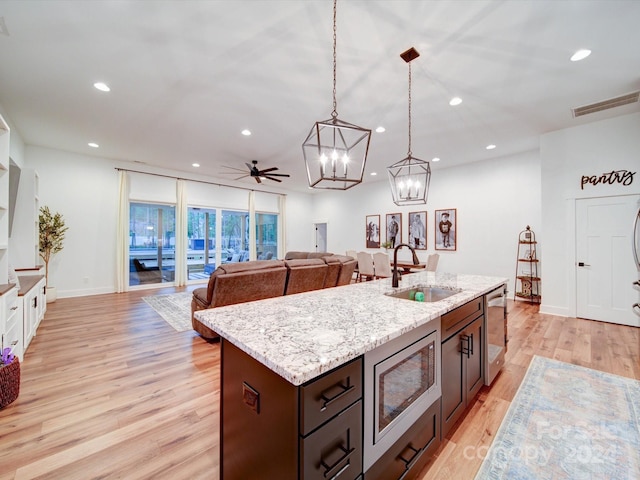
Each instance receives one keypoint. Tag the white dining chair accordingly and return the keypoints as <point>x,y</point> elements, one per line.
<point>432,262</point>
<point>365,267</point>
<point>381,265</point>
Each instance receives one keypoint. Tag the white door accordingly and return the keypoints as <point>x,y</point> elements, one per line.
<point>321,237</point>
<point>604,260</point>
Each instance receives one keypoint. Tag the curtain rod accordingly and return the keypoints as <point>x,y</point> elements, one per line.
<point>198,181</point>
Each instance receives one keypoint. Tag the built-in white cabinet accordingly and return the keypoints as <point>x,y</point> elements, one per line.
<point>11,322</point>
<point>32,304</point>
<point>4,201</point>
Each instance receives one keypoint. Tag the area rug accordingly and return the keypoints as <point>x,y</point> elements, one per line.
<point>568,422</point>
<point>174,308</point>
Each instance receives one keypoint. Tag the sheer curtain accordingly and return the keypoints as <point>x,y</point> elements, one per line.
<point>181,234</point>
<point>252,225</point>
<point>122,234</point>
<point>282,210</point>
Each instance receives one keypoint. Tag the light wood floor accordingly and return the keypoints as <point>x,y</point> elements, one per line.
<point>109,390</point>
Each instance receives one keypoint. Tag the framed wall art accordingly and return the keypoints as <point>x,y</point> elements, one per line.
<point>418,230</point>
<point>394,229</point>
<point>372,231</point>
<point>446,229</point>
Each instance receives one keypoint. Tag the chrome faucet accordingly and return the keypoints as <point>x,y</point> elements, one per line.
<point>396,275</point>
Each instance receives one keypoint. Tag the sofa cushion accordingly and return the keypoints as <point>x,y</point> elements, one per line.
<point>305,275</point>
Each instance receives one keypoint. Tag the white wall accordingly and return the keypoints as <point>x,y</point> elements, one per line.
<point>85,191</point>
<point>566,156</point>
<point>495,200</point>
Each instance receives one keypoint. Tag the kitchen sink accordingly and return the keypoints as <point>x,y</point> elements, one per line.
<point>431,294</point>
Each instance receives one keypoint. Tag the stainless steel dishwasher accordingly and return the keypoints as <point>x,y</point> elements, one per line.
<point>496,339</point>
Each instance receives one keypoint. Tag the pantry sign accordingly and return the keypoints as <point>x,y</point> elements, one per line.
<point>624,177</point>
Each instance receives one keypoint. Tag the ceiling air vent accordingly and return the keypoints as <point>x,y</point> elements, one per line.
<point>606,104</point>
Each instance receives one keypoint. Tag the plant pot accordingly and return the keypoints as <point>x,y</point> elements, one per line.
<point>9,382</point>
<point>52,294</point>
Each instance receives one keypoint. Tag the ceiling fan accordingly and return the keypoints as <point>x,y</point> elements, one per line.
<point>258,174</point>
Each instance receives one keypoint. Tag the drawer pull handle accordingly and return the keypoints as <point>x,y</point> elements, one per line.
<point>411,461</point>
<point>14,308</point>
<point>330,468</point>
<point>329,400</point>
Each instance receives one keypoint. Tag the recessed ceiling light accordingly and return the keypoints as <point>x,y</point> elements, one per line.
<point>246,132</point>
<point>435,159</point>
<point>580,55</point>
<point>455,101</point>
<point>103,87</point>
<point>491,147</point>
<point>373,174</point>
<point>195,165</point>
<point>380,129</point>
<point>93,145</point>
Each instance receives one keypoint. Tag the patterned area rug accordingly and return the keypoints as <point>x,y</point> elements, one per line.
<point>568,422</point>
<point>174,308</point>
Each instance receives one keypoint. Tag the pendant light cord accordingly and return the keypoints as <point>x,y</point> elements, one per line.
<point>334,114</point>
<point>409,151</point>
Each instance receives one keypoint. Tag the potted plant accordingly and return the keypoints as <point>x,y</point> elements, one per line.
<point>52,230</point>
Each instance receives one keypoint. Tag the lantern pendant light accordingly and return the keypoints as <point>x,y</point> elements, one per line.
<point>335,152</point>
<point>409,177</point>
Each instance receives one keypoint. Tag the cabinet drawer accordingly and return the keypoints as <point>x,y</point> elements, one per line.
<point>406,458</point>
<point>11,305</point>
<point>461,316</point>
<point>335,450</point>
<point>326,396</point>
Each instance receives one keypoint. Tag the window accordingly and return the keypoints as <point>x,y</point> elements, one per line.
<point>152,243</point>
<point>234,236</point>
<point>266,236</point>
<point>201,245</point>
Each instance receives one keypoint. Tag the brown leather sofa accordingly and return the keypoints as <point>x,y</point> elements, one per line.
<point>304,275</point>
<point>239,282</point>
<point>295,255</point>
<point>340,270</point>
<point>233,283</point>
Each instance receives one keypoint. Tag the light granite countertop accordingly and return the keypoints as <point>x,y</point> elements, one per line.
<point>304,335</point>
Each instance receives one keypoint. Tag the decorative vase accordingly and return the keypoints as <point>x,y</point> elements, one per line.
<point>52,294</point>
<point>9,382</point>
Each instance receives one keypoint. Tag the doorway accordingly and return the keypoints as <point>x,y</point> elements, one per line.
<point>321,237</point>
<point>605,269</point>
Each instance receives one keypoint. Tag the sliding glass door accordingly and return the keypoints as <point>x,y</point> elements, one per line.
<point>152,243</point>
<point>201,245</point>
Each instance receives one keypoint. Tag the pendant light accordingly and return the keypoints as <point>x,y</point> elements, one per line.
<point>409,177</point>
<point>335,152</point>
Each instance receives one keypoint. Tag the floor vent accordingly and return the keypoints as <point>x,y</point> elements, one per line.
<point>606,104</point>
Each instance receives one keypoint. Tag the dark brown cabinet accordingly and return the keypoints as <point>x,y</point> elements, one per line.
<point>406,458</point>
<point>462,360</point>
<point>272,429</point>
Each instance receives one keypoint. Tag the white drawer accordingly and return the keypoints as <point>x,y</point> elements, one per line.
<point>11,308</point>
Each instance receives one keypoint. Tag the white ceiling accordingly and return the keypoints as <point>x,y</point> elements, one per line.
<point>187,76</point>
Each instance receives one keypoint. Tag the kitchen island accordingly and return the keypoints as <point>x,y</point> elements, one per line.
<point>281,355</point>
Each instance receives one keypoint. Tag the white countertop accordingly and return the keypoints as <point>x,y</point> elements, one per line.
<point>302,336</point>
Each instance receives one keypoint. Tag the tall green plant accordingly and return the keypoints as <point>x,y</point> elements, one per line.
<point>52,230</point>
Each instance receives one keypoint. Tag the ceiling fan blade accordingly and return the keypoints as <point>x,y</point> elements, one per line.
<point>248,166</point>
<point>258,179</point>
<point>243,176</point>
<point>274,179</point>
<point>267,170</point>
<point>241,170</point>
<point>278,175</point>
